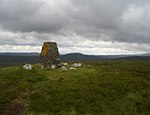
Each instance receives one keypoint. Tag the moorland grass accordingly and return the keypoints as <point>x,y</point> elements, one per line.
<point>107,88</point>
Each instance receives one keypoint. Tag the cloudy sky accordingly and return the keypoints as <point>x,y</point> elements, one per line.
<point>86,26</point>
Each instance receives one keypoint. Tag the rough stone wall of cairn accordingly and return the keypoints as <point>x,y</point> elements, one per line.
<point>49,54</point>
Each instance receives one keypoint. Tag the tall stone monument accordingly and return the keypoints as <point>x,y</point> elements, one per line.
<point>49,54</point>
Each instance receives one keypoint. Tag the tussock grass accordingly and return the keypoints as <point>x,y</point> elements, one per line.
<point>111,88</point>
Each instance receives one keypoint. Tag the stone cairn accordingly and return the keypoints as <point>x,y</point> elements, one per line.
<point>49,54</point>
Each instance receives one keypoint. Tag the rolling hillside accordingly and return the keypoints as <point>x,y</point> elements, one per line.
<point>33,58</point>
<point>107,88</point>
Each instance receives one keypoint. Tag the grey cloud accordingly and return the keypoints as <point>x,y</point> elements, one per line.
<point>30,15</point>
<point>30,22</point>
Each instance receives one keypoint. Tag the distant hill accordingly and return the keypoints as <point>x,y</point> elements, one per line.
<point>20,54</point>
<point>15,60</point>
<point>23,58</point>
<point>83,57</point>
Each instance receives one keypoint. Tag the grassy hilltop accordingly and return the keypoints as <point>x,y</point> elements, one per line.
<point>107,88</point>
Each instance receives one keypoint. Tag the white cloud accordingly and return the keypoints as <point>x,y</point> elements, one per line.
<point>19,48</point>
<point>71,42</point>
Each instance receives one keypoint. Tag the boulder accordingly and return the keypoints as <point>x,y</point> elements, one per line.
<point>72,68</point>
<point>64,68</point>
<point>53,66</point>
<point>28,66</point>
<point>65,64</point>
<point>77,65</point>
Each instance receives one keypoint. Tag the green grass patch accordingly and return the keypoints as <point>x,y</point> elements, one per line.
<point>107,88</point>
